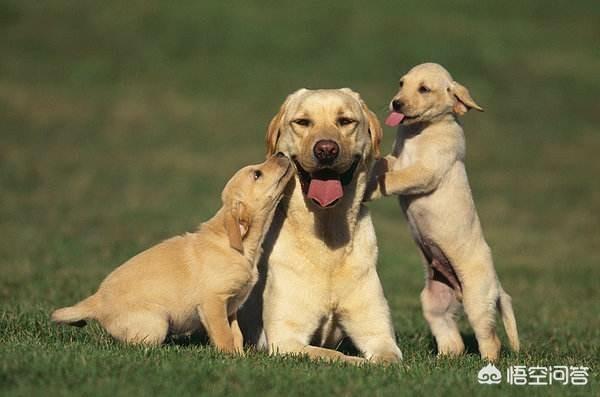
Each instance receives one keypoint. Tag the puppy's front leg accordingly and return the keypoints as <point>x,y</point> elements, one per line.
<point>214,317</point>
<point>414,179</point>
<point>374,188</point>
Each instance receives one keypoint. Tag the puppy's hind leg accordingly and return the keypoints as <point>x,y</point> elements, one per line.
<point>440,305</point>
<point>508,317</point>
<point>138,327</point>
<point>480,297</point>
<point>440,299</point>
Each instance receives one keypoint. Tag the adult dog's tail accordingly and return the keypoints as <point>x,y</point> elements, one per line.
<point>75,315</point>
<point>508,318</point>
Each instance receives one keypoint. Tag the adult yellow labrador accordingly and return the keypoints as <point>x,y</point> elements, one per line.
<point>321,251</point>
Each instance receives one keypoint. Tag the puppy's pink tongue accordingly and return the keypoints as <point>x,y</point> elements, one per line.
<point>325,192</point>
<point>394,119</point>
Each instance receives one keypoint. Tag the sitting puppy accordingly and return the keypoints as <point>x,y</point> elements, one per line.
<point>198,278</point>
<point>426,170</point>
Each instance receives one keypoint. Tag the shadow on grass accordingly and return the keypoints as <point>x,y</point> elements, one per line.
<point>347,347</point>
<point>201,339</point>
<point>195,339</point>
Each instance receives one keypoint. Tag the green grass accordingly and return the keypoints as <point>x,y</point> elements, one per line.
<point>121,122</point>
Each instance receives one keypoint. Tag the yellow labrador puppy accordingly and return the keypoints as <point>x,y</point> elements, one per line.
<point>321,251</point>
<point>197,279</point>
<point>426,169</point>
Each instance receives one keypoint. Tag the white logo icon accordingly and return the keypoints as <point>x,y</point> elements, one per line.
<point>489,375</point>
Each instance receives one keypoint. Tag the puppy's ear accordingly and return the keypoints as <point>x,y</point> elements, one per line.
<point>464,102</point>
<point>237,223</point>
<point>274,129</point>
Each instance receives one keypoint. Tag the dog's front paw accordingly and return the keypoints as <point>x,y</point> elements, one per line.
<point>375,189</point>
<point>390,355</point>
<point>386,358</point>
<point>376,178</point>
<point>355,360</point>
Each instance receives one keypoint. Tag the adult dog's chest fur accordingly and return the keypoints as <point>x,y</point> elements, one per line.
<point>322,247</point>
<point>319,249</point>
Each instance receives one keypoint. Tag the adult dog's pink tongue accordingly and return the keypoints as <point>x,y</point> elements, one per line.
<point>394,119</point>
<point>325,191</point>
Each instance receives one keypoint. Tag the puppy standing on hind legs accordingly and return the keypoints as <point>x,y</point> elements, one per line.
<point>200,278</point>
<point>426,170</point>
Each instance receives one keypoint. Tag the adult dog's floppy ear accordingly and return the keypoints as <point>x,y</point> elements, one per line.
<point>274,129</point>
<point>237,223</point>
<point>464,102</point>
<point>375,130</point>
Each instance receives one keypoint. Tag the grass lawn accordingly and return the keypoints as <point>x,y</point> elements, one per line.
<point>121,122</point>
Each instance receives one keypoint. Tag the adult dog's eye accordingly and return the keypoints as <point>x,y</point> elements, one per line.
<point>302,122</point>
<point>345,121</point>
<point>257,174</point>
<point>424,90</point>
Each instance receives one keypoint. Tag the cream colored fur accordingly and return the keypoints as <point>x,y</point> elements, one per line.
<point>426,170</point>
<point>321,262</point>
<point>198,279</point>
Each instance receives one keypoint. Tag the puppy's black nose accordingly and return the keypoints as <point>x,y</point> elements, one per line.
<point>280,154</point>
<point>326,151</point>
<point>397,105</point>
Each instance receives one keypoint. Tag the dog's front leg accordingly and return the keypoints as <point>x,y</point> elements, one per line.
<point>364,314</point>
<point>213,315</point>
<point>238,337</point>
<point>414,179</point>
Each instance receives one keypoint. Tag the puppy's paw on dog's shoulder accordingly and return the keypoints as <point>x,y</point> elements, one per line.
<point>375,186</point>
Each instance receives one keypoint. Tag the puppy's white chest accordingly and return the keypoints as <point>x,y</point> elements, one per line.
<point>405,150</point>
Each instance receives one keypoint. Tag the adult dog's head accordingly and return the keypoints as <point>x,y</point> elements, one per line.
<point>331,136</point>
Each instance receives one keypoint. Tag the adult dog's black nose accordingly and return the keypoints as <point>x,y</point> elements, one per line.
<point>326,150</point>
<point>397,105</point>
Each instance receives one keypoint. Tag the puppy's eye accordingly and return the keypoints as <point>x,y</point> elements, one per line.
<point>401,83</point>
<point>424,90</point>
<point>302,122</point>
<point>257,174</point>
<point>345,121</point>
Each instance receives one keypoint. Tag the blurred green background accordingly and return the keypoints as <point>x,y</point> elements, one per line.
<point>122,121</point>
